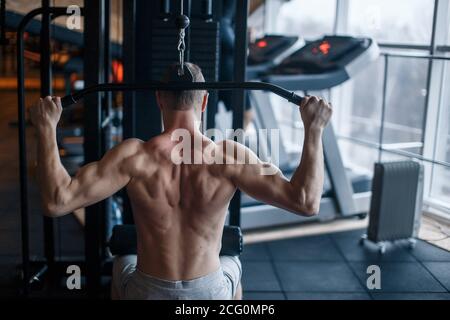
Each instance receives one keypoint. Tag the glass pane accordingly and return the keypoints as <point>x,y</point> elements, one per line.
<point>358,113</point>
<point>398,21</point>
<point>309,19</point>
<point>405,104</point>
<point>440,189</point>
<point>290,124</point>
<point>358,157</point>
<point>448,39</point>
<point>441,175</point>
<point>289,121</point>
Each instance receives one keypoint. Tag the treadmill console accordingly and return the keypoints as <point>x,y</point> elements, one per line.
<point>269,52</point>
<point>269,48</point>
<point>323,64</point>
<point>328,53</point>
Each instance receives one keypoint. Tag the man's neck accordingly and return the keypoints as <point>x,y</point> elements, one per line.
<point>181,120</point>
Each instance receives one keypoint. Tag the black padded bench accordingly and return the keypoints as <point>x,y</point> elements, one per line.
<point>123,241</point>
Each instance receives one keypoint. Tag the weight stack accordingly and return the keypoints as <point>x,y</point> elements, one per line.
<point>202,48</point>
<point>202,44</point>
<point>205,51</point>
<point>396,206</point>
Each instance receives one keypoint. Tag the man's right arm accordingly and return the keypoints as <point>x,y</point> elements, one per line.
<point>302,194</point>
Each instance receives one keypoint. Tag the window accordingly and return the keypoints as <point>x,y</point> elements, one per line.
<point>349,151</point>
<point>309,19</point>
<point>405,103</point>
<point>404,111</point>
<point>440,187</point>
<point>448,39</point>
<point>399,21</point>
<point>290,124</point>
<point>359,110</point>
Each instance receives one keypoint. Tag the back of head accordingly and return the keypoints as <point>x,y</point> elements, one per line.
<point>184,99</point>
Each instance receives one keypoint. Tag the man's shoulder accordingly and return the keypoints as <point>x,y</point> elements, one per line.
<point>230,144</point>
<point>132,143</point>
<point>129,147</point>
<point>136,145</point>
<point>231,148</point>
<point>139,156</point>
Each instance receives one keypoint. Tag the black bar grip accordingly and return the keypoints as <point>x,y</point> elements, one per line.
<point>177,86</point>
<point>295,99</point>
<point>124,242</point>
<point>67,101</point>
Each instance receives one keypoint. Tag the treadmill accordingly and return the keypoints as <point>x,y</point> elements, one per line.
<point>269,51</point>
<point>318,65</point>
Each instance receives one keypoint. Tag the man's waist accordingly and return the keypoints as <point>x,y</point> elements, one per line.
<point>178,268</point>
<point>202,281</point>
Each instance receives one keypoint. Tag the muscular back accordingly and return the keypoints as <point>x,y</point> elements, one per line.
<point>179,211</point>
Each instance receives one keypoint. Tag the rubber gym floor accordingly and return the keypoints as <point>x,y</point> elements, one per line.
<point>331,266</point>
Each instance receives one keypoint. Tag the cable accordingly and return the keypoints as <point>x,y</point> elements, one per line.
<point>181,23</point>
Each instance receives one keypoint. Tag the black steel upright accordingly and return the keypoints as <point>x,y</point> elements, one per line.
<point>107,103</point>
<point>23,173</point>
<point>240,66</point>
<point>94,29</point>
<point>2,22</point>
<point>146,116</point>
<point>107,110</point>
<point>141,117</point>
<point>129,66</point>
<point>47,90</point>
<point>129,97</point>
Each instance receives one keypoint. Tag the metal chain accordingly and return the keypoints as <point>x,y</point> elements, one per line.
<point>181,43</point>
<point>181,49</point>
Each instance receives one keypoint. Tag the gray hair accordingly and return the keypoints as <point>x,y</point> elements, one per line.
<point>187,99</point>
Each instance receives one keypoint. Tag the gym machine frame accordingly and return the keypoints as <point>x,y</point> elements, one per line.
<point>48,14</point>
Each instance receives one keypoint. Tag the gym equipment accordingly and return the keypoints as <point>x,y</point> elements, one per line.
<point>269,51</point>
<point>324,63</point>
<point>152,86</point>
<point>123,241</point>
<point>181,23</point>
<point>59,33</point>
<point>319,65</point>
<point>396,205</point>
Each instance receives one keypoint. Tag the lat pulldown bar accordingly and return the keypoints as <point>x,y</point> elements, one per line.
<point>159,86</point>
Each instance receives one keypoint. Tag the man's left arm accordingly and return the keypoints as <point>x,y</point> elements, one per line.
<point>61,193</point>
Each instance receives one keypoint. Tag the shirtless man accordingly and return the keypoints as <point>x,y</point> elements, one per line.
<point>179,209</point>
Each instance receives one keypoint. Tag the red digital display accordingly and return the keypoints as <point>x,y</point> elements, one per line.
<point>325,47</point>
<point>262,44</point>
